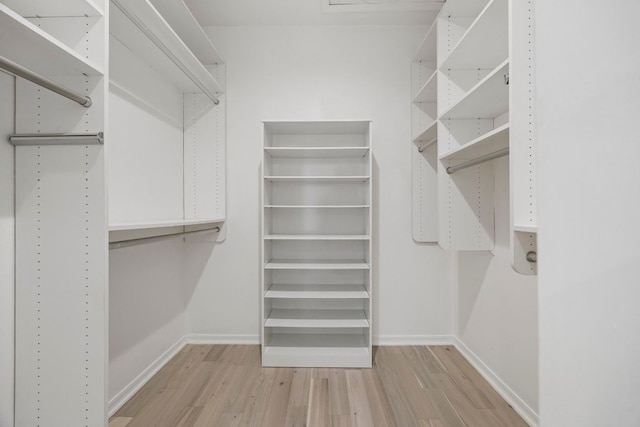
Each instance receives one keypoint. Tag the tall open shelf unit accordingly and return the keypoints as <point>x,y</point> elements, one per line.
<point>483,80</point>
<point>316,244</point>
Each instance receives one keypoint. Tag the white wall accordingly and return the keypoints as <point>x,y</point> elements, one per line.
<point>7,249</point>
<point>588,95</point>
<point>323,73</point>
<point>497,309</point>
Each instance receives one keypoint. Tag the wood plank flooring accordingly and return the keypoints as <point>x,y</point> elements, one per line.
<point>224,385</point>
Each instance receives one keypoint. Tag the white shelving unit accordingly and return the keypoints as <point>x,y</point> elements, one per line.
<point>485,106</point>
<point>166,39</point>
<point>316,244</point>
<point>424,131</point>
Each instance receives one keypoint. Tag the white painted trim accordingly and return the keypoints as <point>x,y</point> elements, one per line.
<point>524,410</point>
<point>222,339</point>
<point>389,340</point>
<point>134,386</point>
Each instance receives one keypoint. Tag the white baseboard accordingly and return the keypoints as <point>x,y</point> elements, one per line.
<point>388,340</point>
<point>524,410</point>
<point>132,388</point>
<point>222,339</point>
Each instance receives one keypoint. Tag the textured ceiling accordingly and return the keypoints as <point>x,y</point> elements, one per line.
<point>295,12</point>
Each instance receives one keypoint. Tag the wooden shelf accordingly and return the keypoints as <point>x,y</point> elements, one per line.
<point>318,318</point>
<point>486,100</point>
<point>317,291</point>
<point>317,206</point>
<point>316,265</point>
<point>166,53</point>
<point>492,141</point>
<point>53,8</point>
<point>139,225</point>
<point>318,179</point>
<point>429,91</point>
<point>485,43</point>
<point>316,237</point>
<point>316,152</point>
<point>35,49</point>
<point>182,21</point>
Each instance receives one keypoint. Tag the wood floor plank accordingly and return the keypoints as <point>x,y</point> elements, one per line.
<point>319,406</point>
<point>225,386</point>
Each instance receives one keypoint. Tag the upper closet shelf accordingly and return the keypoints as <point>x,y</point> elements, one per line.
<point>316,152</point>
<point>427,50</point>
<point>139,26</point>
<point>491,142</point>
<point>51,8</point>
<point>485,43</point>
<point>182,21</point>
<point>428,135</point>
<point>138,225</point>
<point>486,100</point>
<point>31,47</point>
<point>429,91</point>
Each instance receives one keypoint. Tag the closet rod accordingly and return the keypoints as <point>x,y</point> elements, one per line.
<point>481,159</point>
<point>428,144</point>
<point>57,139</point>
<point>142,240</point>
<point>155,40</point>
<point>18,70</point>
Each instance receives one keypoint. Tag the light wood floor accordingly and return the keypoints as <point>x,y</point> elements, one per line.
<point>224,385</point>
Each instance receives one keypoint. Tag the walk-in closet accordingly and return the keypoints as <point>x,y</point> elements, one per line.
<point>319,213</point>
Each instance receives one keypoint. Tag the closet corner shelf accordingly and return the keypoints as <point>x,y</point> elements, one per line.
<point>160,46</point>
<point>33,48</point>
<point>429,91</point>
<point>485,43</point>
<point>316,152</point>
<point>427,135</point>
<point>57,8</point>
<point>525,228</point>
<point>318,179</point>
<point>486,100</point>
<point>490,142</point>
<point>182,21</point>
<point>139,225</point>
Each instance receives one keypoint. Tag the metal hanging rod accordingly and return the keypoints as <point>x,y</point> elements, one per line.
<point>143,240</point>
<point>120,4</point>
<point>481,159</point>
<point>57,139</point>
<point>427,144</point>
<point>20,71</point>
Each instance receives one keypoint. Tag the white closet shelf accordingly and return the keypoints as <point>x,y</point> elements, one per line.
<point>317,206</point>
<point>316,265</point>
<point>318,318</point>
<point>316,291</point>
<point>317,237</point>
<point>51,8</point>
<point>139,225</point>
<point>427,135</point>
<point>525,228</point>
<point>318,179</point>
<point>35,49</point>
<point>316,152</point>
<point>160,46</point>
<point>427,49</point>
<point>488,143</point>
<point>317,350</point>
<point>186,26</point>
<point>485,42</point>
<point>486,100</point>
<point>468,8</point>
<point>429,91</point>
